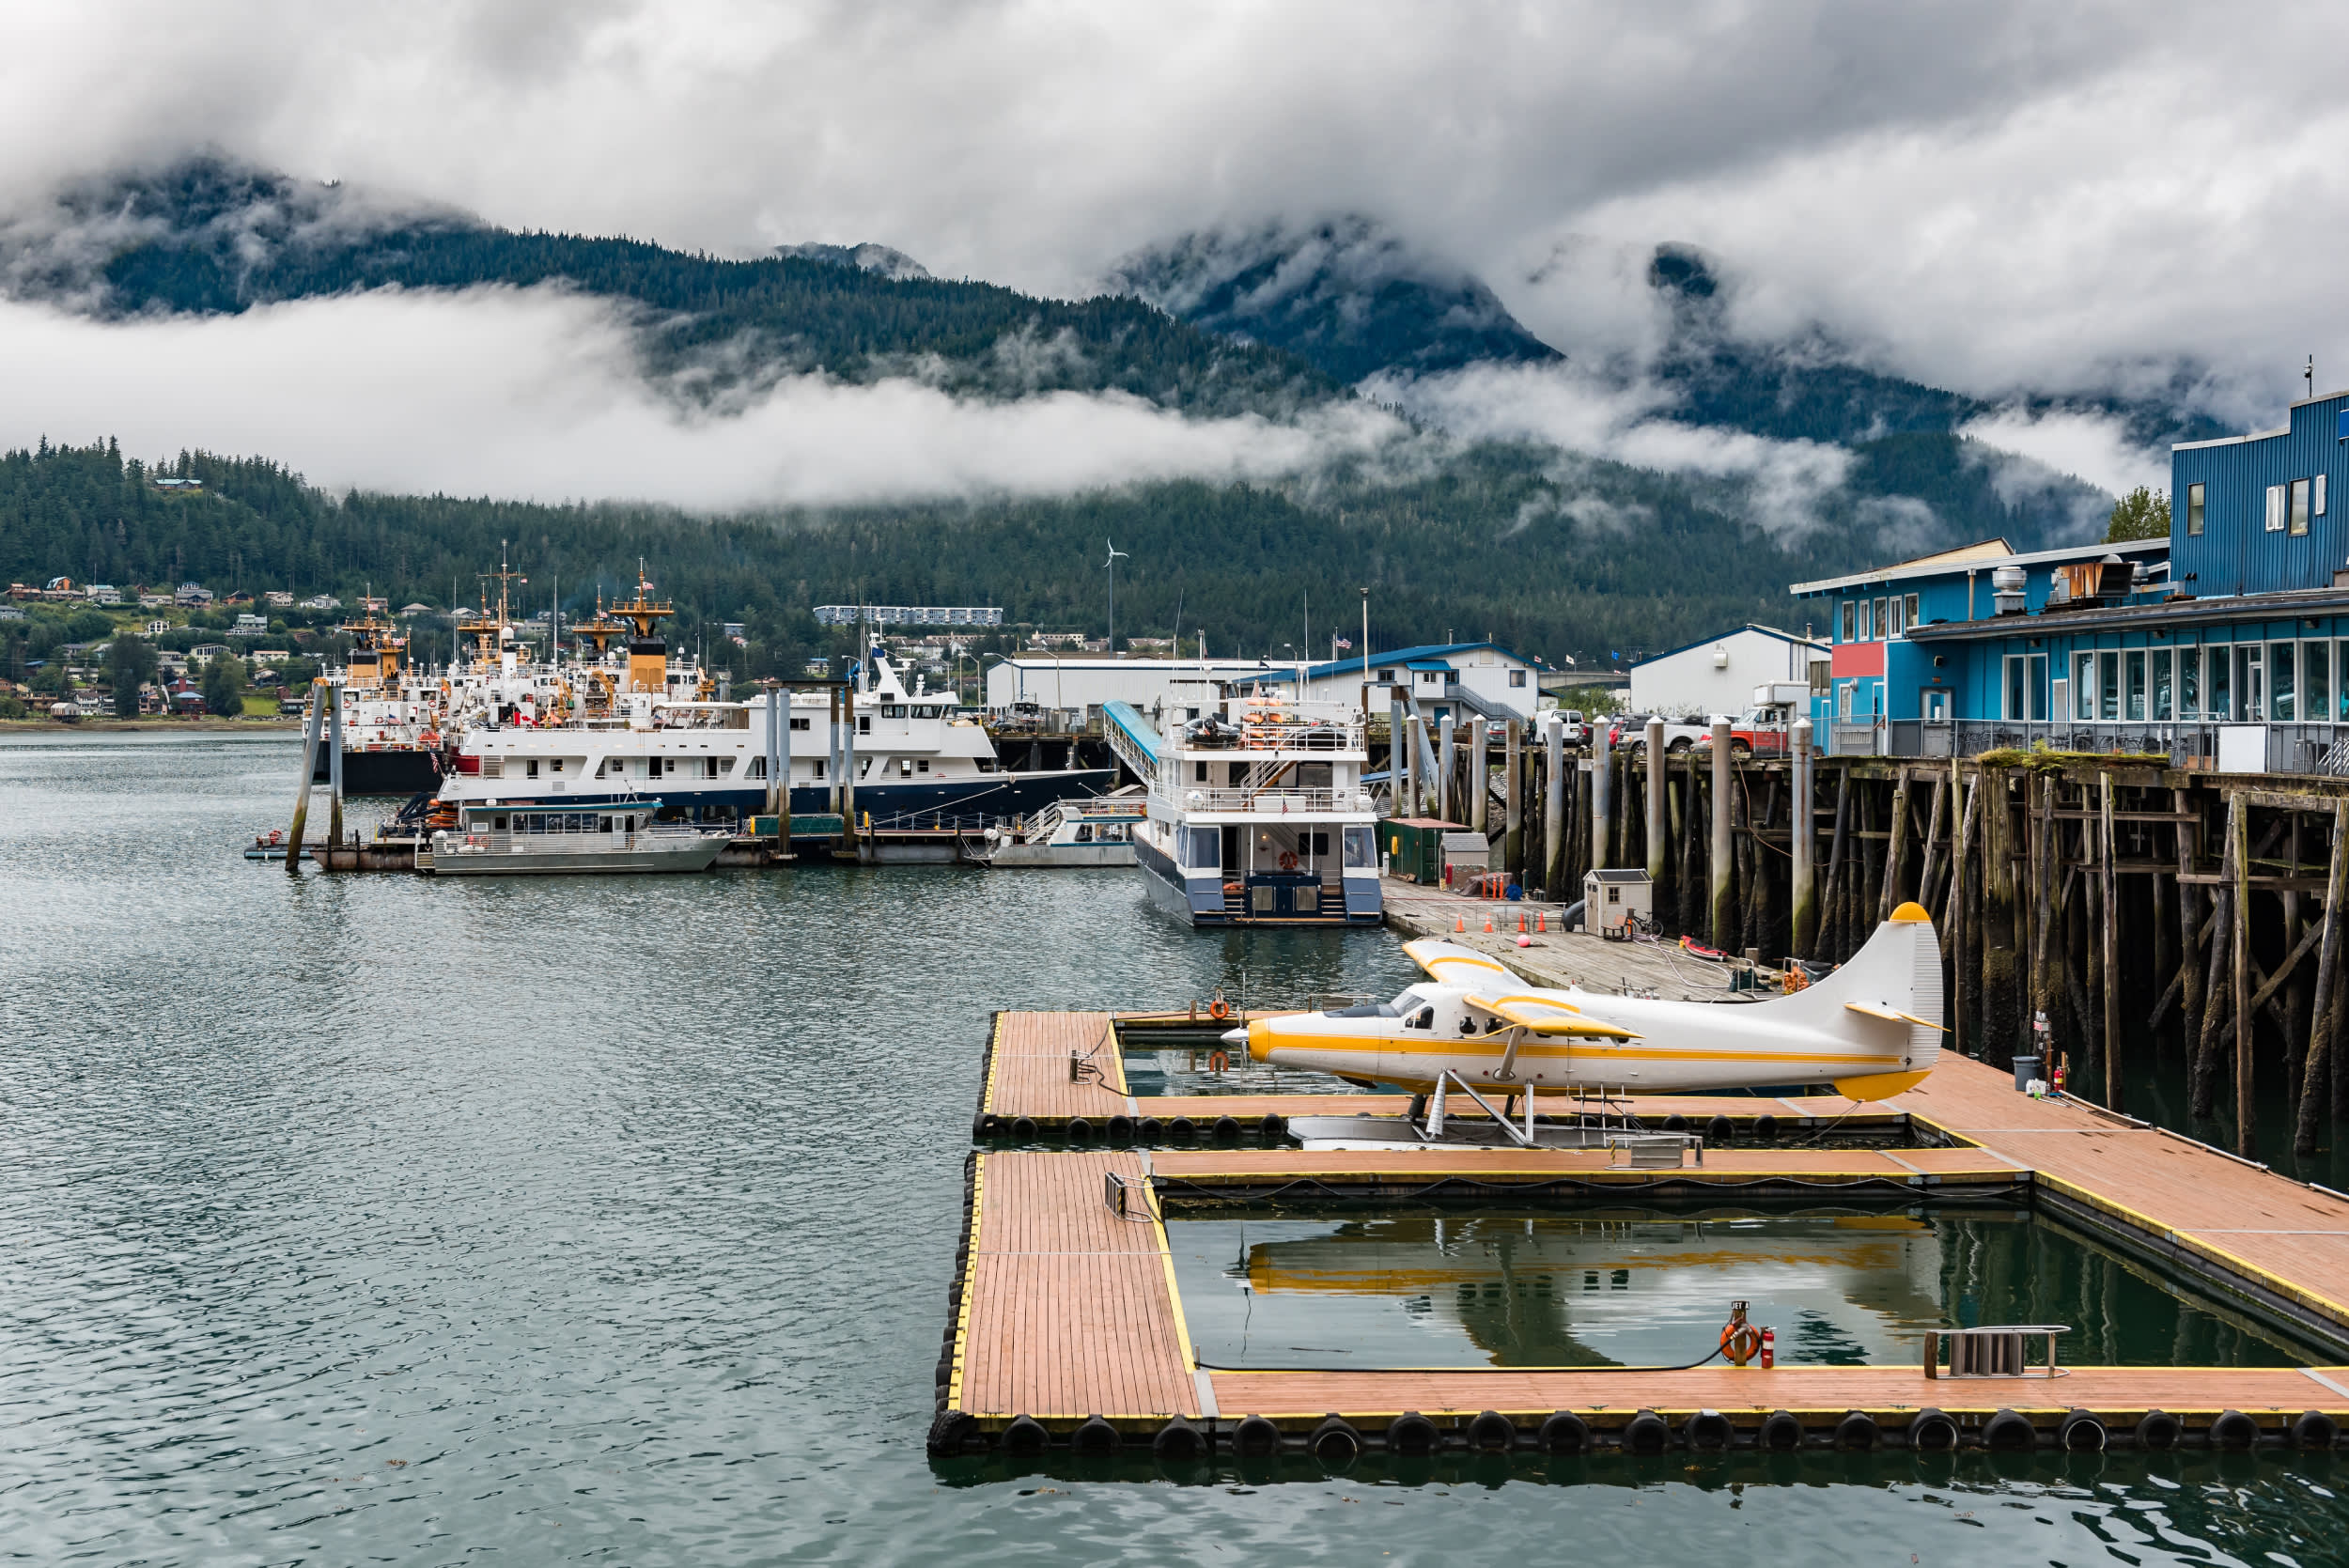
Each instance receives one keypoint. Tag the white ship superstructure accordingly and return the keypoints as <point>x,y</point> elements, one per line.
<point>608,729</point>
<point>1257,812</point>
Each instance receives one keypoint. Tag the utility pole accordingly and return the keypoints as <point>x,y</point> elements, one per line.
<point>1111,564</point>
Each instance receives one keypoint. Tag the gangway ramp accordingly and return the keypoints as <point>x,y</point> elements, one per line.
<point>1135,741</point>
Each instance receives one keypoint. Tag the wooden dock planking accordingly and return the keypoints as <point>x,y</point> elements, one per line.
<point>2284,1236</point>
<point>1069,1312</point>
<point>1027,1070</point>
<point>1607,1398</point>
<point>1071,1309</point>
<point>1556,958</point>
<point>1728,1168</point>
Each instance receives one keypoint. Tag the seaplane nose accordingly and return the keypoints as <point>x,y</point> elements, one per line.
<point>1236,1037</point>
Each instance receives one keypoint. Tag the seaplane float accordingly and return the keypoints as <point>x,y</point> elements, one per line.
<point>1869,1029</point>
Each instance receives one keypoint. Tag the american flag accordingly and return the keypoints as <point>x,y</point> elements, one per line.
<point>1343,641</point>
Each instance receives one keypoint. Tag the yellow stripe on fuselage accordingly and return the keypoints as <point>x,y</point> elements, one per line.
<point>1495,1046</point>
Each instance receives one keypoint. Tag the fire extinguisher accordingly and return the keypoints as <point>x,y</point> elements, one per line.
<point>1769,1348</point>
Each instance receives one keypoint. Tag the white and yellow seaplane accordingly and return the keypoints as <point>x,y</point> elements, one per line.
<point>1870,1029</point>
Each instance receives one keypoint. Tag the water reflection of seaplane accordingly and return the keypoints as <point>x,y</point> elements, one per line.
<point>1870,1029</point>
<point>1547,1290</point>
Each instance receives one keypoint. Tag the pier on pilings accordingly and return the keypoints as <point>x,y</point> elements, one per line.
<point>2094,910</point>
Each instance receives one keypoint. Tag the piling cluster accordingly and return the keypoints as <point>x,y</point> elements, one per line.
<point>2089,907</point>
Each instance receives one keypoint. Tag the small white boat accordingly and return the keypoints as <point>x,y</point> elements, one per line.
<point>1095,831</point>
<point>493,840</point>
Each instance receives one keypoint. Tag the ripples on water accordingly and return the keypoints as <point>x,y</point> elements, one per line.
<point>368,1218</point>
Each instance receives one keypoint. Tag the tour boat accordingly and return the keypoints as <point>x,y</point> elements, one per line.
<point>1097,831</point>
<point>500,840</point>
<point>1257,814</point>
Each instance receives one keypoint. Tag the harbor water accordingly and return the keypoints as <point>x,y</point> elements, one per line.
<point>370,1218</point>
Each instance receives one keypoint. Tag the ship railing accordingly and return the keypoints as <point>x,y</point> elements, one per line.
<point>1272,801</point>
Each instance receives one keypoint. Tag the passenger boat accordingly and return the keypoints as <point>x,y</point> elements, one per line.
<point>1093,832</point>
<point>895,758</point>
<point>491,839</point>
<point>1257,815</point>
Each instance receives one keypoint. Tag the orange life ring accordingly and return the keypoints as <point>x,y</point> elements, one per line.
<point>1288,859</point>
<point>1219,1009</point>
<point>1740,1342</point>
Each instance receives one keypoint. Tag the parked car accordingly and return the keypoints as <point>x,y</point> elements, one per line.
<point>1679,734</point>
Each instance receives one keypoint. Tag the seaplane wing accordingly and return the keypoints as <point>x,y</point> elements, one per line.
<point>1545,1016</point>
<point>1892,1015</point>
<point>1451,964</point>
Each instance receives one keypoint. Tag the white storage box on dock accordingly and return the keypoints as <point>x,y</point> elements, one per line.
<point>1609,898</point>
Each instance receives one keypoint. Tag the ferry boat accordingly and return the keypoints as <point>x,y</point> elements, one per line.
<point>506,841</point>
<point>1097,831</point>
<point>1257,815</point>
<point>611,728</point>
<point>391,715</point>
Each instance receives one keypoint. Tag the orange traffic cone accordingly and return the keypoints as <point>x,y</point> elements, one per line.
<point>1541,920</point>
<point>1488,926</point>
<point>1460,923</point>
<point>1520,922</point>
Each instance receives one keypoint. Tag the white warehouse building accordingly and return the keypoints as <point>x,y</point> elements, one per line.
<point>1455,678</point>
<point>1086,682</point>
<point>1717,675</point>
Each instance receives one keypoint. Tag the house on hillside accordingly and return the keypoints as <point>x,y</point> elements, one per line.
<point>1717,675</point>
<point>192,595</point>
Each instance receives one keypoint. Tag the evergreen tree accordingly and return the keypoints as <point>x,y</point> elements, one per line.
<point>131,660</point>
<point>2141,513</point>
<point>224,685</point>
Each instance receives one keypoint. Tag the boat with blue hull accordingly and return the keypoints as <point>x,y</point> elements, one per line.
<point>1257,812</point>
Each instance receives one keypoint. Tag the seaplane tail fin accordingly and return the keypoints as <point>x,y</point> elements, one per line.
<point>1895,978</point>
<point>1450,964</point>
<point>1545,1016</point>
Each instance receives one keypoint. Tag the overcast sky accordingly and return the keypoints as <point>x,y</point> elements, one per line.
<point>1989,196</point>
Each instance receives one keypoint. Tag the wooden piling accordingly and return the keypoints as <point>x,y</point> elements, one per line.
<point>1832,924</point>
<point>310,733</point>
<point>2325,1027</point>
<point>1724,923</point>
<point>1953,953</point>
<point>1652,760</point>
<point>334,769</point>
<point>2111,951</point>
<point>2238,847</point>
<point>1803,833</point>
<point>2000,996</point>
<point>1513,802</point>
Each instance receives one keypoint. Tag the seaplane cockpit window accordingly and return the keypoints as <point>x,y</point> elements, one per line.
<point>1368,1010</point>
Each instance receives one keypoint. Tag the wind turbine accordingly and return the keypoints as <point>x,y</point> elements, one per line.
<point>1115,555</point>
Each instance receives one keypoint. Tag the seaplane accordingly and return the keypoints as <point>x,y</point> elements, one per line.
<point>1869,1029</point>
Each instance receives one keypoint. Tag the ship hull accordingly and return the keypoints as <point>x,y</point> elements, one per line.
<point>385,772</point>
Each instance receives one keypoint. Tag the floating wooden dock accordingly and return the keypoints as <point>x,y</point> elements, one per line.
<point>1068,1325</point>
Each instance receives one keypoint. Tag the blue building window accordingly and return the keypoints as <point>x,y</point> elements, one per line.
<point>2194,494</point>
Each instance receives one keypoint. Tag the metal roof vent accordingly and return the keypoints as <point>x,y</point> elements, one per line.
<point>2007,590</point>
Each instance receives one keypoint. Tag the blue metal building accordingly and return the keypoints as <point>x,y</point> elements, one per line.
<point>2225,645</point>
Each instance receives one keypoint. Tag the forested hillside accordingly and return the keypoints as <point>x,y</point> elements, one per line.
<point>1587,562</point>
<point>210,237</point>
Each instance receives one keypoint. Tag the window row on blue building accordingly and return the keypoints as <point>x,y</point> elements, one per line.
<point>2227,640</point>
